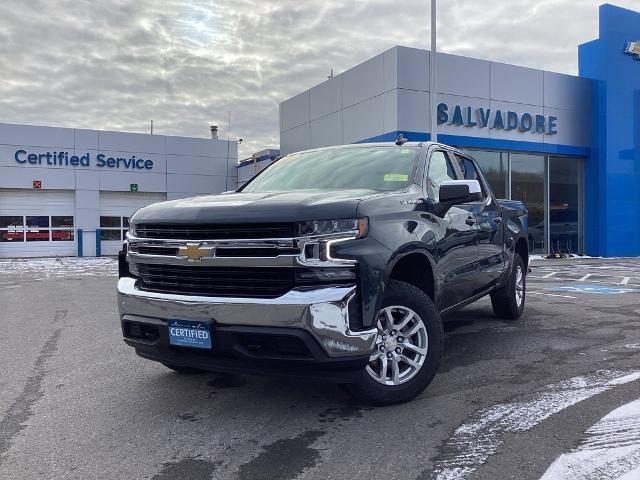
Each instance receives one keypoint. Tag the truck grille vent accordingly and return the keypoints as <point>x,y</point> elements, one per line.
<point>215,232</point>
<point>267,282</point>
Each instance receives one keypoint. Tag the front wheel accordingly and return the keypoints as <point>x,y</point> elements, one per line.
<point>508,302</point>
<point>407,350</point>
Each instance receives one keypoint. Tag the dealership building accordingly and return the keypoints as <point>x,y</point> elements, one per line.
<point>568,146</point>
<point>66,191</point>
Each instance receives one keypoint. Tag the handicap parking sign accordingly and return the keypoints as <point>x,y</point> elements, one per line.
<point>598,289</point>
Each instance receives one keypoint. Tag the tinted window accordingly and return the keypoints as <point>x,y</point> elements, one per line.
<point>110,222</point>
<point>11,222</point>
<point>110,234</point>
<point>38,221</point>
<point>493,166</point>
<point>369,168</point>
<point>62,222</point>
<point>469,172</point>
<point>62,235</point>
<point>440,170</point>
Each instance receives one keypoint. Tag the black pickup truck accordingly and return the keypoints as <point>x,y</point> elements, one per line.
<point>331,264</point>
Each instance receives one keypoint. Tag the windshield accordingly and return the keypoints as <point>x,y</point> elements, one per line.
<point>381,169</point>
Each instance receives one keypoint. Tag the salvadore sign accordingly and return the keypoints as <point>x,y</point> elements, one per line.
<point>496,119</point>
<point>66,159</point>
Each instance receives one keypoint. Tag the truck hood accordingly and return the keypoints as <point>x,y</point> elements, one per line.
<point>255,207</point>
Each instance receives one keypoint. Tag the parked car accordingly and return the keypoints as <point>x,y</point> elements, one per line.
<point>331,264</point>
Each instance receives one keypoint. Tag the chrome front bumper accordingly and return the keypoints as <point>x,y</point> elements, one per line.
<point>323,312</point>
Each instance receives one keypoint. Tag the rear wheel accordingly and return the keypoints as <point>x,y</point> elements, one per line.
<point>508,302</point>
<point>407,350</point>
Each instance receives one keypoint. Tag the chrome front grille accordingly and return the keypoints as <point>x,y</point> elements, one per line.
<point>265,267</point>
<point>215,232</point>
<point>216,281</point>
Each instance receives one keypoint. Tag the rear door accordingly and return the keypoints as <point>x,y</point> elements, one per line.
<point>457,237</point>
<point>490,226</point>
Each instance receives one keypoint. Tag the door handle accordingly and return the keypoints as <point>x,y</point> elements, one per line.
<point>470,221</point>
<point>497,219</point>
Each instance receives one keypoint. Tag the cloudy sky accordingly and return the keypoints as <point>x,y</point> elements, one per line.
<point>116,64</point>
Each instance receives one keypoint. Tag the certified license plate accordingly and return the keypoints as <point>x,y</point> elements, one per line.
<point>189,333</point>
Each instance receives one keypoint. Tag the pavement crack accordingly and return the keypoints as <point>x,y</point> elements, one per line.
<point>21,410</point>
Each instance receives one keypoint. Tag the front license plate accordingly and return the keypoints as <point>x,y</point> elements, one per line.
<point>189,333</point>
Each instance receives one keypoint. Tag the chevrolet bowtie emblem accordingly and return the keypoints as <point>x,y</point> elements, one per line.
<point>194,252</point>
<point>633,48</point>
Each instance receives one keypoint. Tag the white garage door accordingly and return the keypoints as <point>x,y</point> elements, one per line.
<point>37,223</point>
<point>115,210</point>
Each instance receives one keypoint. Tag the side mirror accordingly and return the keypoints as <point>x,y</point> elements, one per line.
<point>460,191</point>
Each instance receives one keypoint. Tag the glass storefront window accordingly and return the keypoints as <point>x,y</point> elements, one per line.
<point>527,185</point>
<point>61,222</point>
<point>110,222</point>
<point>113,228</point>
<point>62,235</point>
<point>494,168</point>
<point>62,229</point>
<point>551,189</point>
<point>12,222</point>
<point>565,209</point>
<point>37,228</point>
<point>11,228</point>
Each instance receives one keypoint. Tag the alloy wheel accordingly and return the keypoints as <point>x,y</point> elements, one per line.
<point>401,346</point>
<point>519,286</point>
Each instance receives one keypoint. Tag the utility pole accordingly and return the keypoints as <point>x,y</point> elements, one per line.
<point>432,76</point>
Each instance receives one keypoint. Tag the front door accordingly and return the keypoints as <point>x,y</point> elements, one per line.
<point>491,261</point>
<point>457,242</point>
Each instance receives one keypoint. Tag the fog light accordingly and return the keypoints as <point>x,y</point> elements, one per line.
<point>325,274</point>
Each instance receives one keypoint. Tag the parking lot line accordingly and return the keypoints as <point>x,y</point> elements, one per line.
<point>556,279</point>
<point>549,275</point>
<point>582,279</point>
<point>625,280</point>
<point>551,295</point>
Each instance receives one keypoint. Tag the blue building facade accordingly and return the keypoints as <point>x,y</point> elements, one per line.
<point>568,146</point>
<point>612,171</point>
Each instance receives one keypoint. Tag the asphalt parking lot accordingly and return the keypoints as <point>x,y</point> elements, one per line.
<point>509,399</point>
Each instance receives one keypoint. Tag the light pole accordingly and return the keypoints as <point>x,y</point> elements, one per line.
<point>432,76</point>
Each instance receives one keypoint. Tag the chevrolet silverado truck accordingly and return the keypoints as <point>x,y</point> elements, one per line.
<point>332,264</point>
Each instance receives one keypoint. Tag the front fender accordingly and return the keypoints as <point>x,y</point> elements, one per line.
<point>375,266</point>
<point>372,258</point>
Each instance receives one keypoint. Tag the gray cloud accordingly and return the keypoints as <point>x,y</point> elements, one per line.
<point>116,64</point>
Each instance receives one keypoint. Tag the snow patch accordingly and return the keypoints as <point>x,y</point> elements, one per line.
<point>475,441</point>
<point>59,267</point>
<point>611,450</point>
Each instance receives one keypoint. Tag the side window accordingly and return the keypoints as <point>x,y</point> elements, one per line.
<point>440,170</point>
<point>469,171</point>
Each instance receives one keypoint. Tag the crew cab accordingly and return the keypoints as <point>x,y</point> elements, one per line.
<point>333,264</point>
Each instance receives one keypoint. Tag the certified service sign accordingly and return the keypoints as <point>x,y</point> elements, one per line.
<point>633,48</point>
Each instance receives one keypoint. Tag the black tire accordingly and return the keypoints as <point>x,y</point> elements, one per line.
<point>371,391</point>
<point>184,370</point>
<point>505,301</point>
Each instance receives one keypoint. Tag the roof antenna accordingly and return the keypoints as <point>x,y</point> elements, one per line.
<point>401,140</point>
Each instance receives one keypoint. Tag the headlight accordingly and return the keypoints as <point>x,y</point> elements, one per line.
<point>133,229</point>
<point>353,226</point>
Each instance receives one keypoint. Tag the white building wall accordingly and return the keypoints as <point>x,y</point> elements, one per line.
<point>182,167</point>
<point>390,92</point>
